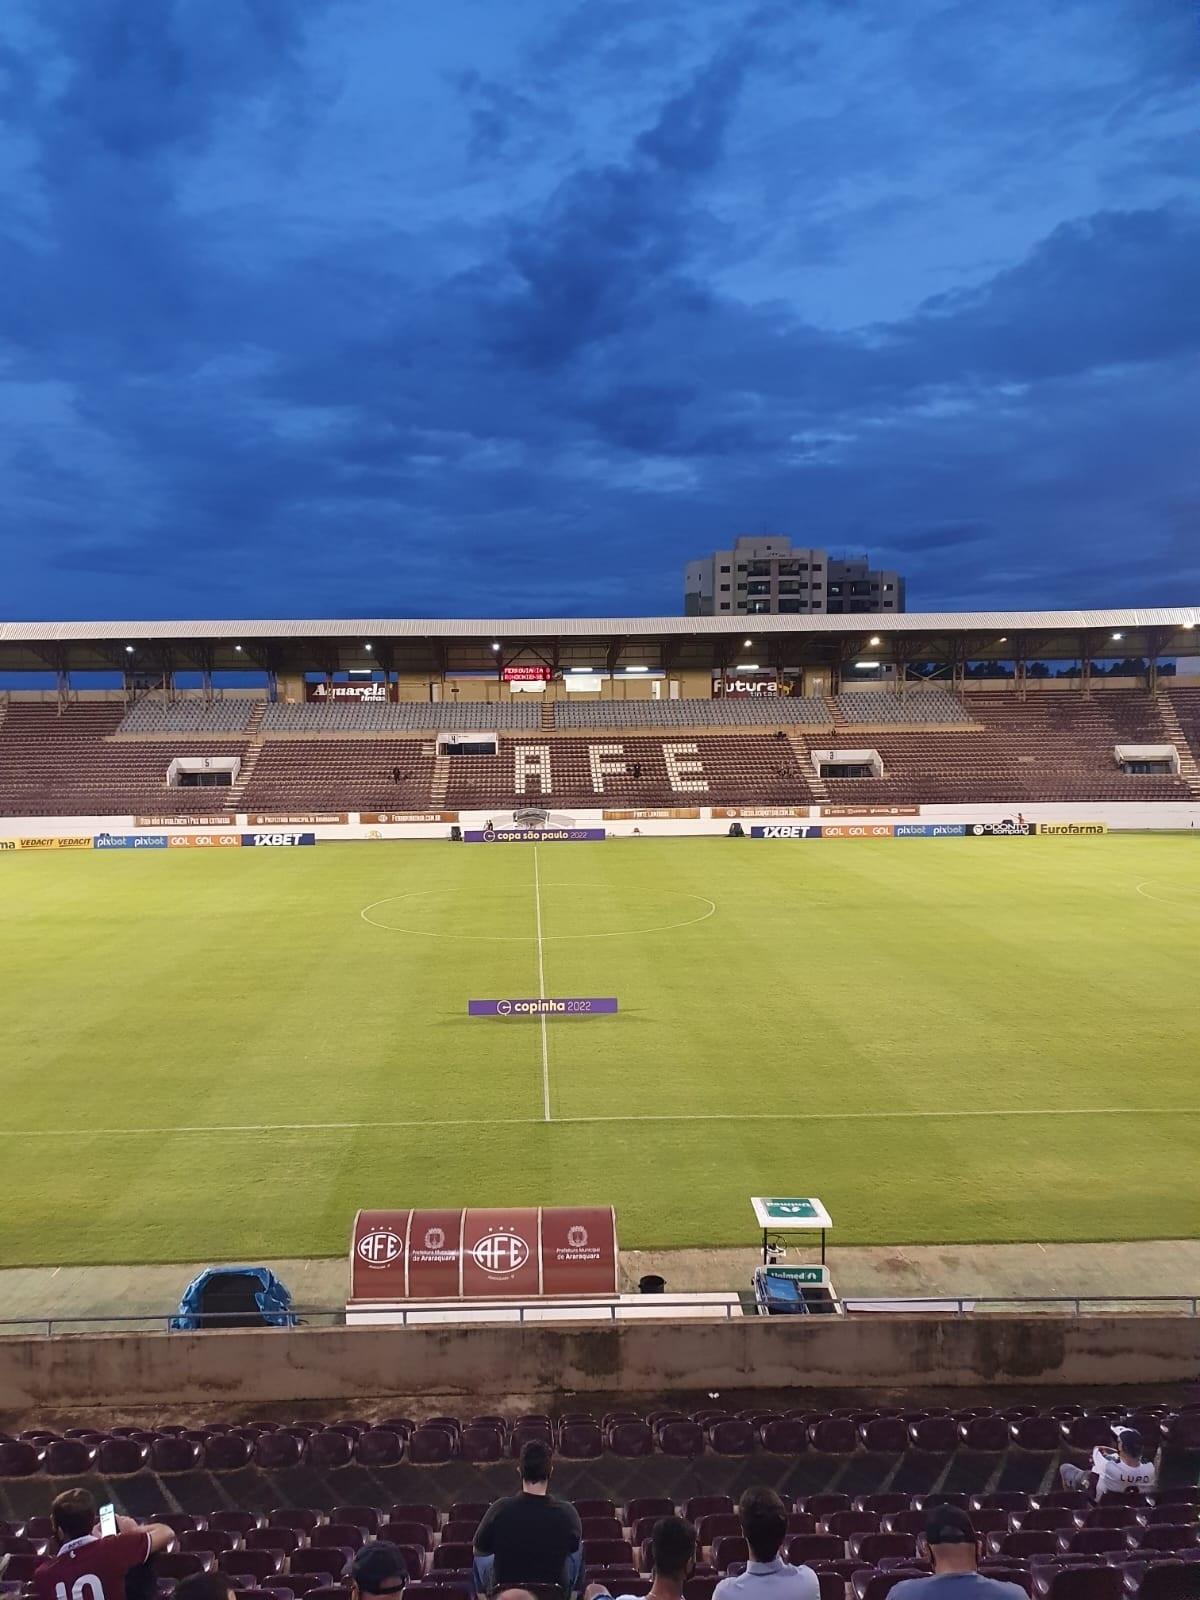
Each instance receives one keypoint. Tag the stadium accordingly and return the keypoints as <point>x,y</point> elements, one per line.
<point>825,948</point>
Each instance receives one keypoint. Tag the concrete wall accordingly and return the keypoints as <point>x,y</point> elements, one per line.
<point>483,1368</point>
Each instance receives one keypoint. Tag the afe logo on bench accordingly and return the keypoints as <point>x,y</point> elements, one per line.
<point>500,1254</point>
<point>380,1249</point>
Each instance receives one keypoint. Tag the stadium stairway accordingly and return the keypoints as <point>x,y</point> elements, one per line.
<point>803,755</point>
<point>1188,769</point>
<point>250,759</point>
<point>440,781</point>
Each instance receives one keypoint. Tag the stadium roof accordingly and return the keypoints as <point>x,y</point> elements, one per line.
<point>325,644</point>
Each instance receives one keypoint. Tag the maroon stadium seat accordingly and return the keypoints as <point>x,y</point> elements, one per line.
<point>419,1534</point>
<point>274,1451</point>
<point>939,1434</point>
<point>257,1564</point>
<point>598,1527</point>
<point>68,1458</point>
<point>428,1446</point>
<point>19,1459</point>
<point>329,1449</point>
<point>728,1549</point>
<point>684,1438</point>
<point>294,1517</point>
<point>1037,1433</point>
<point>833,1436</point>
<point>119,1458</point>
<point>580,1441</point>
<point>732,1438</point>
<point>785,1437</point>
<point>888,1435</point>
<point>380,1447</point>
<point>415,1511</point>
<point>630,1439</point>
<point>989,1433</point>
<point>181,1563</point>
<point>717,1525</point>
<point>239,1522</point>
<point>806,1548</point>
<point>874,1548</point>
<point>481,1444</point>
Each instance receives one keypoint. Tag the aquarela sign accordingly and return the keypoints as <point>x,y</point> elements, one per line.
<point>483,1254</point>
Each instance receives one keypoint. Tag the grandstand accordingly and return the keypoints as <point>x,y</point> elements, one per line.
<point>933,725</point>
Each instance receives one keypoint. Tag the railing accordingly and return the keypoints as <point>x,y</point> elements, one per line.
<point>1080,1305</point>
<point>1183,1305</point>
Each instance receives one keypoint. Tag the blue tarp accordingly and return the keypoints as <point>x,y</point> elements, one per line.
<point>273,1299</point>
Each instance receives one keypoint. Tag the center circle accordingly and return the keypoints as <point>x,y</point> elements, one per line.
<point>1169,894</point>
<point>457,913</point>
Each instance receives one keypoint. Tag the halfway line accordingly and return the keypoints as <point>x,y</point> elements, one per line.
<point>537,903</point>
<point>536,1122</point>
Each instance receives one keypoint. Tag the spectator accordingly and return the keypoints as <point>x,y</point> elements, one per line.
<point>378,1568</point>
<point>673,1552</point>
<point>206,1586</point>
<point>768,1576</point>
<point>950,1542</point>
<point>83,1562</point>
<point>530,1537</point>
<point>637,769</point>
<point>1113,1471</point>
<point>395,774</point>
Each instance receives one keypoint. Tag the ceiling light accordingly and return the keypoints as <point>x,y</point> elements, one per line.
<point>747,666</point>
<point>637,669</point>
<point>1118,635</point>
<point>746,643</point>
<point>866,666</point>
<point>874,638</point>
<point>366,647</point>
<point>1003,638</point>
<point>128,649</point>
<point>238,648</point>
<point>495,644</point>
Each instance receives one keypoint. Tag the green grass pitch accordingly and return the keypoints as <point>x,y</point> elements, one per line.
<point>210,1056</point>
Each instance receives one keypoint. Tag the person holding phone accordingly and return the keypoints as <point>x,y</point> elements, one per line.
<point>87,1563</point>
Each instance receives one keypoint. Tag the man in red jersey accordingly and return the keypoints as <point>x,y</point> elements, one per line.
<point>85,1566</point>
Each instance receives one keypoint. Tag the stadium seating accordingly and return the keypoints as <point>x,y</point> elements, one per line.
<point>69,764</point>
<point>771,711</point>
<point>859,1539</point>
<point>151,715</point>
<point>1052,746</point>
<point>340,775</point>
<point>384,717</point>
<point>93,758</point>
<point>735,769</point>
<point>926,707</point>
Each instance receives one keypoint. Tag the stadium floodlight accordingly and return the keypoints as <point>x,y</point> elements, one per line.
<point>238,648</point>
<point>495,644</point>
<point>366,647</point>
<point>1118,635</point>
<point>128,649</point>
<point>746,643</point>
<point>1003,639</point>
<point>874,639</point>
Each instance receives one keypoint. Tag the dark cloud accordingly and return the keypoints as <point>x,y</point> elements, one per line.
<point>322,310</point>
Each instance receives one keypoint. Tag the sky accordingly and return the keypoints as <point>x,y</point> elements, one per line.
<point>443,307</point>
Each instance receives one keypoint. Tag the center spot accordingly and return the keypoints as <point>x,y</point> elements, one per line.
<point>569,911</point>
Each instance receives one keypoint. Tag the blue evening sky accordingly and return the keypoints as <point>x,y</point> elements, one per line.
<point>503,307</point>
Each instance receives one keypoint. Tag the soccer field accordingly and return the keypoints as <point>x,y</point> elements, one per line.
<point>212,1055</point>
